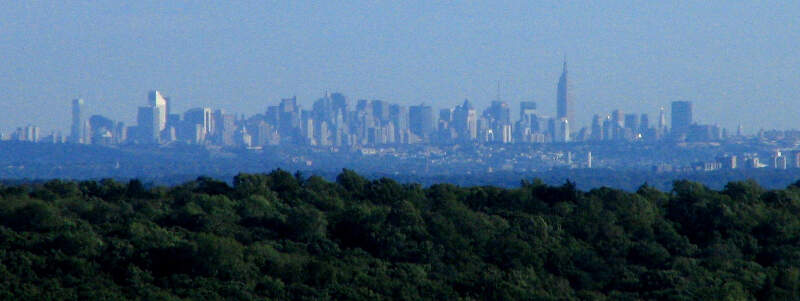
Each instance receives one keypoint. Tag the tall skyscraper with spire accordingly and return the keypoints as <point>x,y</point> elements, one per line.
<point>563,101</point>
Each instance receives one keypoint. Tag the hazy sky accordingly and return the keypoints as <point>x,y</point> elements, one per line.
<point>739,62</point>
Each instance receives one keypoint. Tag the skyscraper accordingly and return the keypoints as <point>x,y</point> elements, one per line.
<point>644,123</point>
<point>156,99</point>
<point>147,124</point>
<point>203,117</point>
<point>399,116</point>
<point>76,130</point>
<point>681,117</point>
<point>289,118</point>
<point>563,101</point>
<point>465,121</point>
<point>421,120</point>
<point>597,128</point>
<point>632,122</point>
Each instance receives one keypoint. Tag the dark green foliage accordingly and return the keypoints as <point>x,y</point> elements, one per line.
<point>283,236</point>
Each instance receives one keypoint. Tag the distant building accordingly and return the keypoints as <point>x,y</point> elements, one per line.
<point>779,161</point>
<point>198,118</point>
<point>562,130</point>
<point>644,123</point>
<point>703,133</point>
<point>400,117</point>
<point>465,122</point>
<point>156,99</point>
<point>31,133</point>
<point>589,160</point>
<point>796,159</point>
<point>421,121</point>
<point>506,134</point>
<point>224,128</point>
<point>563,101</point>
<point>102,131</point>
<point>147,124</point>
<point>727,162</point>
<point>631,121</point>
<point>597,128</point>
<point>681,118</point>
<point>289,119</point>
<point>76,130</point>
<point>380,110</point>
<point>617,125</point>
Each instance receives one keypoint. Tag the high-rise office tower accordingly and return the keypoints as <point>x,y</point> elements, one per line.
<point>156,99</point>
<point>465,121</point>
<point>289,118</point>
<point>400,117</point>
<point>446,115</point>
<point>597,128</point>
<point>506,133</point>
<point>380,110</point>
<point>632,122</point>
<point>421,120</point>
<point>203,117</point>
<point>339,103</point>
<point>644,123</point>
<point>608,128</point>
<point>618,118</point>
<point>528,120</point>
<point>224,127</point>
<point>101,129</point>
<point>681,117</point>
<point>86,136</point>
<point>328,113</point>
<point>563,101</point>
<point>307,127</point>
<point>147,124</point>
<point>76,130</point>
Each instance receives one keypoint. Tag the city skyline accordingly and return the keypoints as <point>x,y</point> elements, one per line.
<point>561,101</point>
<point>161,106</point>
<point>562,97</point>
<point>734,61</point>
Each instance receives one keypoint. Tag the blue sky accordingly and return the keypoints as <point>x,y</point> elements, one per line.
<point>738,61</point>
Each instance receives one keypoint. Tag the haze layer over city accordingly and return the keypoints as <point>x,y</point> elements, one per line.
<point>735,61</point>
<point>513,89</point>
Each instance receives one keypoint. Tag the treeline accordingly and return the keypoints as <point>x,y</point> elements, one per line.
<point>286,236</point>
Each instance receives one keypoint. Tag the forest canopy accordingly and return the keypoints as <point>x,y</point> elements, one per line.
<point>287,236</point>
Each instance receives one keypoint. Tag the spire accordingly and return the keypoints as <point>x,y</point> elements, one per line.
<point>565,63</point>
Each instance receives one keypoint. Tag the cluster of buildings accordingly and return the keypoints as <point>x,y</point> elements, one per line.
<point>331,121</point>
<point>777,160</point>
